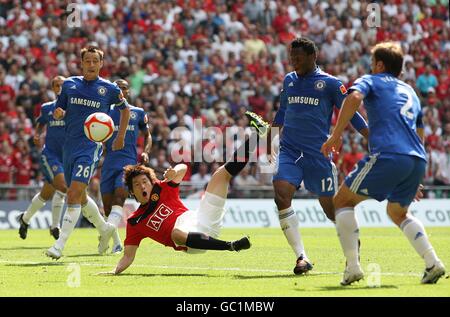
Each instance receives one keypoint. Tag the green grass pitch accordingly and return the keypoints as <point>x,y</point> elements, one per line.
<point>264,270</point>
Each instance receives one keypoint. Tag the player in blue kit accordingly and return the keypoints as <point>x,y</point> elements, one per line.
<point>395,166</point>
<point>306,109</point>
<point>51,166</point>
<point>114,191</point>
<point>81,96</point>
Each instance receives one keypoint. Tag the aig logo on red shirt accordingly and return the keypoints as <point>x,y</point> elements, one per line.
<point>161,214</point>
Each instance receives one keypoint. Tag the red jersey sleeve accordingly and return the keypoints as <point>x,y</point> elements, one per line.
<point>133,236</point>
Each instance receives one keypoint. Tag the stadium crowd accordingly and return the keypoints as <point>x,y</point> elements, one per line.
<point>211,60</point>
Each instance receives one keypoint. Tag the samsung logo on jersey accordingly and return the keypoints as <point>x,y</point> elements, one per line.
<point>57,123</point>
<point>304,100</point>
<point>85,102</point>
<point>129,128</point>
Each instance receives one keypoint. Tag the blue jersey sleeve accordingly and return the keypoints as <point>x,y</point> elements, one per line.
<point>117,98</point>
<point>143,121</point>
<point>61,101</point>
<point>419,121</point>
<point>339,93</point>
<point>363,85</point>
<point>43,116</point>
<point>279,117</point>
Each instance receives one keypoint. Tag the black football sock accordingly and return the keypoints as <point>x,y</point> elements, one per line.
<point>198,240</point>
<point>235,165</point>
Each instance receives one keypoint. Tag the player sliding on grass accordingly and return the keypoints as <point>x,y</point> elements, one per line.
<point>163,217</point>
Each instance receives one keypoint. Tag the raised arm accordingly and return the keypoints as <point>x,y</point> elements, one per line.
<point>349,107</point>
<point>175,174</point>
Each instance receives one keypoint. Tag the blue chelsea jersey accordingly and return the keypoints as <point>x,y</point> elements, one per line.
<point>306,109</point>
<point>80,98</point>
<point>127,155</point>
<point>394,114</point>
<point>55,135</point>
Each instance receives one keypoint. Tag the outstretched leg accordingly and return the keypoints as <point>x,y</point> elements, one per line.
<point>417,236</point>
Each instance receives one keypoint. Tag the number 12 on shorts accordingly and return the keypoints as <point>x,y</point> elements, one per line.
<point>326,181</point>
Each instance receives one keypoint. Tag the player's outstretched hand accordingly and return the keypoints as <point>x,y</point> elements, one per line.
<point>419,193</point>
<point>169,174</point>
<point>118,144</point>
<point>59,113</point>
<point>332,145</point>
<point>144,158</point>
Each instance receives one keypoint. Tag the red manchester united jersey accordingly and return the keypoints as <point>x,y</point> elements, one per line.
<point>158,225</point>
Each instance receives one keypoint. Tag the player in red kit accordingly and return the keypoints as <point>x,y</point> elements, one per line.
<point>163,217</point>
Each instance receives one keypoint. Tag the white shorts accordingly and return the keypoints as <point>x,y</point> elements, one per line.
<point>206,219</point>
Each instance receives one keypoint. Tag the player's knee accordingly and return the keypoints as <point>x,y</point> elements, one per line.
<point>119,200</point>
<point>178,237</point>
<point>342,200</point>
<point>74,196</point>
<point>61,187</point>
<point>397,216</point>
<point>222,172</point>
<point>282,201</point>
<point>283,197</point>
<point>330,213</point>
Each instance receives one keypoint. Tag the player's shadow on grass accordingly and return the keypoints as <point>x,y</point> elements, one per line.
<point>83,255</point>
<point>23,248</point>
<point>352,288</point>
<point>252,277</point>
<point>36,264</point>
<point>163,274</point>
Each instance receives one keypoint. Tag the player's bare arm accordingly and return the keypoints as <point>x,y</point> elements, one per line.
<point>37,136</point>
<point>349,107</point>
<point>59,114</point>
<point>126,260</point>
<point>175,174</point>
<point>145,156</point>
<point>119,141</point>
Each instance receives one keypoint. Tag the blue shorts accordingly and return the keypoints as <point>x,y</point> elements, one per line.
<point>387,175</point>
<point>319,175</point>
<point>51,165</point>
<point>80,164</point>
<point>112,178</point>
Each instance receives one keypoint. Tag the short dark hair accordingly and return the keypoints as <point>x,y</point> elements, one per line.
<point>92,49</point>
<point>306,44</point>
<point>391,55</point>
<point>121,82</point>
<point>132,171</point>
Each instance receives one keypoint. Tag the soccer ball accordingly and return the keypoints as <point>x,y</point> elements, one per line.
<point>98,127</point>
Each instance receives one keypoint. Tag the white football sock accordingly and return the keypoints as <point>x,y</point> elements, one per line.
<point>348,232</point>
<point>114,218</point>
<point>415,232</point>
<point>36,203</point>
<point>289,225</point>
<point>92,213</point>
<point>116,215</point>
<point>70,219</point>
<point>57,207</point>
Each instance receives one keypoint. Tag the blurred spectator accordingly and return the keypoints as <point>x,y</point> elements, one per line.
<point>426,81</point>
<point>202,177</point>
<point>351,158</point>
